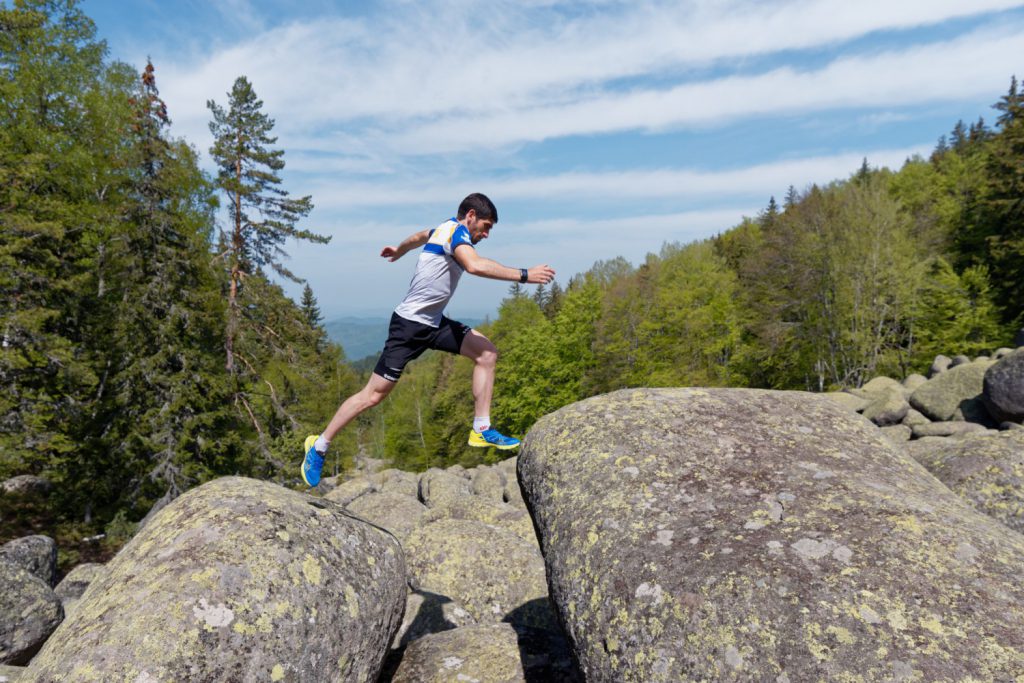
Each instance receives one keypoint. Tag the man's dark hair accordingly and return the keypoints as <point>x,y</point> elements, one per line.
<point>479,203</point>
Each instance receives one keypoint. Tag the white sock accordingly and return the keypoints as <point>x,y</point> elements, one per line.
<point>321,444</point>
<point>480,424</point>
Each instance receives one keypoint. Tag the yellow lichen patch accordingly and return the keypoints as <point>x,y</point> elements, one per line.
<point>284,536</point>
<point>371,560</point>
<point>842,635</point>
<point>311,570</point>
<point>352,601</point>
<point>909,523</point>
<point>933,624</point>
<point>205,578</point>
<point>897,620</point>
<point>277,673</point>
<point>818,650</point>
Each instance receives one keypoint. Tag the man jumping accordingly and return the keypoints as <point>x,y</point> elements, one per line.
<point>419,323</point>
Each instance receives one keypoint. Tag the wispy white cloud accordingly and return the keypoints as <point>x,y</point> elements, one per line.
<point>436,66</point>
<point>760,180</point>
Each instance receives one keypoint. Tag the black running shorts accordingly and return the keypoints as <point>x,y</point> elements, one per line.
<point>407,340</point>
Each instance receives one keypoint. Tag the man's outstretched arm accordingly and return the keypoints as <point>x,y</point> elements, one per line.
<point>475,264</point>
<point>417,239</point>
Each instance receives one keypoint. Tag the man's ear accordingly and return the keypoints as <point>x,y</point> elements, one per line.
<point>470,215</point>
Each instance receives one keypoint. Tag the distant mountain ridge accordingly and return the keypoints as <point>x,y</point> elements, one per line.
<point>362,336</point>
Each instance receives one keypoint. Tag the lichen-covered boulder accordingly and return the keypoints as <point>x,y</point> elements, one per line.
<point>237,580</point>
<point>397,513</point>
<point>72,587</point>
<point>495,575</point>
<point>939,397</point>
<point>398,481</point>
<point>888,408</point>
<point>745,535</point>
<point>347,491</point>
<point>913,381</point>
<point>488,483</point>
<point>914,418</point>
<point>29,612</point>
<point>427,613</point>
<point>986,469</point>
<point>37,554</point>
<point>880,385</point>
<point>939,365</point>
<point>438,486</point>
<point>897,433</point>
<point>10,674</point>
<point>951,428</point>
<point>851,402</point>
<point>499,514</point>
<point>1003,391</point>
<point>485,652</point>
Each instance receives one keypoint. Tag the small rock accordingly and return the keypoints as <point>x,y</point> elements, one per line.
<point>959,360</point>
<point>947,429</point>
<point>37,554</point>
<point>897,433</point>
<point>26,484</point>
<point>915,417</point>
<point>29,612</point>
<point>392,511</point>
<point>1003,388</point>
<point>438,486</point>
<point>889,408</point>
<point>913,381</point>
<point>1002,351</point>
<point>489,483</point>
<point>939,365</point>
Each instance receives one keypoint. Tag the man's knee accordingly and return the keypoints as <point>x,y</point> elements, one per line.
<point>375,392</point>
<point>488,356</point>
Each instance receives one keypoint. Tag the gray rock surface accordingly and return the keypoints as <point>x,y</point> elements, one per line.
<point>29,612</point>
<point>913,381</point>
<point>347,491</point>
<point>940,396</point>
<point>485,652</point>
<point>26,485</point>
<point>499,514</point>
<point>743,535</point>
<point>495,575</point>
<point>237,580</point>
<point>914,418</point>
<point>438,486</point>
<point>958,360</point>
<point>427,613</point>
<point>889,408</point>
<point>397,481</point>
<point>10,674</point>
<point>952,428</point>
<point>851,402</point>
<point>397,513</point>
<point>1003,388</point>
<point>488,483</point>
<point>880,385</point>
<point>939,365</point>
<point>72,587</point>
<point>986,469</point>
<point>897,433</point>
<point>37,554</point>
<point>1002,351</point>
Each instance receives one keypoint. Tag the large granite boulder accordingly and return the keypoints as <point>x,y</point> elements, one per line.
<point>888,408</point>
<point>951,428</point>
<point>763,536</point>
<point>1003,391</point>
<point>489,483</point>
<point>347,491</point>
<point>495,575</point>
<point>851,402</point>
<point>940,397</point>
<point>514,519</point>
<point>29,612</point>
<point>986,469</point>
<point>485,652</point>
<point>395,512</point>
<point>427,613</point>
<point>237,580</point>
<point>397,481</point>
<point>438,486</point>
<point>37,554</point>
<point>939,365</point>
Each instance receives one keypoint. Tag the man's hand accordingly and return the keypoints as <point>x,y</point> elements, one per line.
<point>540,275</point>
<point>391,253</point>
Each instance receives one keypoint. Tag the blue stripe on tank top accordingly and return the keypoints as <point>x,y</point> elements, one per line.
<point>431,248</point>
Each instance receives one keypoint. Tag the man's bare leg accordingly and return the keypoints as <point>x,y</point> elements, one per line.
<point>373,393</point>
<point>484,355</point>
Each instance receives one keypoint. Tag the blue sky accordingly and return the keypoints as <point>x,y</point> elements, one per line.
<point>599,129</point>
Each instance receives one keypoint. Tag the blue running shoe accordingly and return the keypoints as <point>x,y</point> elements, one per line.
<point>492,438</point>
<point>312,464</point>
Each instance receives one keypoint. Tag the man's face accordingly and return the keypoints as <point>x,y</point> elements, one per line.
<point>479,229</point>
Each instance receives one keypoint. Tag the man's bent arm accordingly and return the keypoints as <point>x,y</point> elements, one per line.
<point>414,240</point>
<point>474,264</point>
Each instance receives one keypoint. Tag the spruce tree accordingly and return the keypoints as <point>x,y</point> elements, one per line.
<point>261,214</point>
<point>310,309</point>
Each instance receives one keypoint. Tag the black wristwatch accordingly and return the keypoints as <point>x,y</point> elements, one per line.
<point>524,275</point>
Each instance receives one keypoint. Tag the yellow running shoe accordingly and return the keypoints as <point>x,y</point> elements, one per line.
<point>492,438</point>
